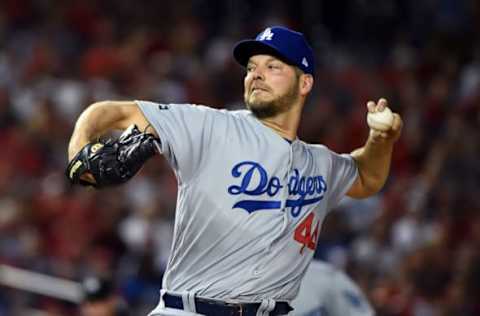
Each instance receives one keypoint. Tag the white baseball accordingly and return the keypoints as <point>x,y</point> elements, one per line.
<point>381,121</point>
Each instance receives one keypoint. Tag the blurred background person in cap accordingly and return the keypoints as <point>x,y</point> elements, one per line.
<point>101,298</point>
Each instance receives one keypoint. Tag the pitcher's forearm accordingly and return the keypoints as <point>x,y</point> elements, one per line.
<point>373,161</point>
<point>95,121</point>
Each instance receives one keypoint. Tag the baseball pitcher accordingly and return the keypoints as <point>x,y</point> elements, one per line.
<point>251,195</point>
<point>327,291</point>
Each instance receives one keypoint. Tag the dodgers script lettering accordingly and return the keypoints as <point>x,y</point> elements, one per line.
<point>254,180</point>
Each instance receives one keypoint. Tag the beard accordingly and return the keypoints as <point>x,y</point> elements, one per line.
<point>271,108</point>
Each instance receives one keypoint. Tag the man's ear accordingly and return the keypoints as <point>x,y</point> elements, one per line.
<point>306,84</point>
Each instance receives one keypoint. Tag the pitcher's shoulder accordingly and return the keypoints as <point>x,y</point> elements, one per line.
<point>201,111</point>
<point>240,114</point>
<point>316,148</point>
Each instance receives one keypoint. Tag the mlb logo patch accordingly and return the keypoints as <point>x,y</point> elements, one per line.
<point>305,62</point>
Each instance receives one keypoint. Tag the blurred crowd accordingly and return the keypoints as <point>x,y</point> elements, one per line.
<point>414,248</point>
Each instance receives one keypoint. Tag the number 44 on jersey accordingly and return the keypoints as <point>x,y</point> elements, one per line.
<point>304,235</point>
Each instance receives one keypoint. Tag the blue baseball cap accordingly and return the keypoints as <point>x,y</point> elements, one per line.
<point>279,41</point>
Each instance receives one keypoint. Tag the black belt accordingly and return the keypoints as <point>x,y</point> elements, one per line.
<point>219,308</point>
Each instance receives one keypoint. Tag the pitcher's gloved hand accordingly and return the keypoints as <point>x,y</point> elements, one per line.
<point>112,162</point>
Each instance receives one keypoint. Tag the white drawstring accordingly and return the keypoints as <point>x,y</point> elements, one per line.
<point>188,299</point>
<point>266,307</point>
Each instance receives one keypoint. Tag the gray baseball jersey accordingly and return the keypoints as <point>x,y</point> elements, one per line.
<point>327,291</point>
<point>250,203</point>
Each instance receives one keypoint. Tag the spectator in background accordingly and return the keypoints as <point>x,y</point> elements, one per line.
<point>101,298</point>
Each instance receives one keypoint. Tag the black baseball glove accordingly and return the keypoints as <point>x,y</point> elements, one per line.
<point>112,162</point>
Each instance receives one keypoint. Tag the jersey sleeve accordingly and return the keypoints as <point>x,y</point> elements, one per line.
<point>343,173</point>
<point>183,132</point>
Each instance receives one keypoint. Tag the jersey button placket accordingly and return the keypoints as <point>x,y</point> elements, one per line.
<point>288,173</point>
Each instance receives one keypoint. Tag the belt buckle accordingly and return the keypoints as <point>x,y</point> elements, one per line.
<point>240,309</point>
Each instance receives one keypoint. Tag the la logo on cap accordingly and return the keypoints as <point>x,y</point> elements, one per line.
<point>266,35</point>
